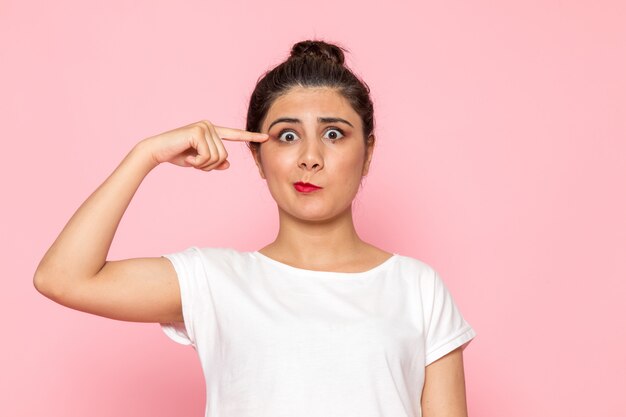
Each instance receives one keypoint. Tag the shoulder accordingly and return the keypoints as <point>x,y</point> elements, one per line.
<point>213,257</point>
<point>218,252</point>
<point>211,252</point>
<point>415,268</point>
<point>422,276</point>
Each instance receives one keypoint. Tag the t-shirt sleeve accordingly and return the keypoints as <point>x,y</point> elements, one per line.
<point>190,273</point>
<point>446,329</point>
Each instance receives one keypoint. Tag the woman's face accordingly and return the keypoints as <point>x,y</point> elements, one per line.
<point>315,137</point>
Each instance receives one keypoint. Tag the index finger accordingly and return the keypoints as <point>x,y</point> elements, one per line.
<point>230,133</point>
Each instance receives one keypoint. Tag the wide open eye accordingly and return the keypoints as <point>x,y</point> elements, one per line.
<point>335,133</point>
<point>287,136</point>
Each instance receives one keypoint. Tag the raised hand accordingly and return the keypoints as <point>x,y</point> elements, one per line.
<point>197,145</point>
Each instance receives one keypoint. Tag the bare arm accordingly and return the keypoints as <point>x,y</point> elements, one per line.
<point>78,257</point>
<point>75,272</point>
<point>444,387</point>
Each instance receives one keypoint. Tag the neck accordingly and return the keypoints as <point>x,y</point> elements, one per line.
<point>316,242</point>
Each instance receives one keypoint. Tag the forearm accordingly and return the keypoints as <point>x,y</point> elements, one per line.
<point>81,248</point>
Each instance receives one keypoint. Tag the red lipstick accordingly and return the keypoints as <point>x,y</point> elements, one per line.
<point>305,187</point>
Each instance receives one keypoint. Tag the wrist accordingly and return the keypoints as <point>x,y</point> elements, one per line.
<point>143,155</point>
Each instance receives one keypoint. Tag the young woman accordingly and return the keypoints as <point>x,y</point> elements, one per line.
<point>316,323</point>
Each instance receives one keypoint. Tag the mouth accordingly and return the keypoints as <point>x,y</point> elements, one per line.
<point>305,187</point>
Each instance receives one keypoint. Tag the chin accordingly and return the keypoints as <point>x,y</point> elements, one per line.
<point>318,214</point>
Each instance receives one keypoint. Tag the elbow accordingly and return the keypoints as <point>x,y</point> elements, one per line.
<point>47,285</point>
<point>38,278</point>
<point>41,283</point>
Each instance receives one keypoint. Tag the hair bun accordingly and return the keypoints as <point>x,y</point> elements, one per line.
<point>318,49</point>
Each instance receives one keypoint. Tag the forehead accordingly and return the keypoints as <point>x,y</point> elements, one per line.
<point>311,102</point>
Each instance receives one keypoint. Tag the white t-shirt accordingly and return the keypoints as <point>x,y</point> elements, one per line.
<point>279,341</point>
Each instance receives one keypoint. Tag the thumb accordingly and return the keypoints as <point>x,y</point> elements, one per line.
<point>224,165</point>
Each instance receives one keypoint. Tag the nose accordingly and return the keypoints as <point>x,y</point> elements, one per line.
<point>311,156</point>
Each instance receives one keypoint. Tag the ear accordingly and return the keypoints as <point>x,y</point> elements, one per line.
<point>371,140</point>
<point>257,159</point>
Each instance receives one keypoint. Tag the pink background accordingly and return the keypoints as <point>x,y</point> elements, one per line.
<point>501,162</point>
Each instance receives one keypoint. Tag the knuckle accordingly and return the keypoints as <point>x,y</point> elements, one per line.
<point>197,130</point>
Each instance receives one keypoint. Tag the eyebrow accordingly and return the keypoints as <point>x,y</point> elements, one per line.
<point>319,119</point>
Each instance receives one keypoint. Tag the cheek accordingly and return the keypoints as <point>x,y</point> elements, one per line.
<point>275,163</point>
<point>349,170</point>
<point>352,161</point>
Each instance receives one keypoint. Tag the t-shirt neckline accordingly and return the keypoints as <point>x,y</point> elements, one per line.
<point>344,275</point>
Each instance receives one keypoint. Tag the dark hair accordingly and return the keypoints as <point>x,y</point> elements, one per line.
<point>312,63</point>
